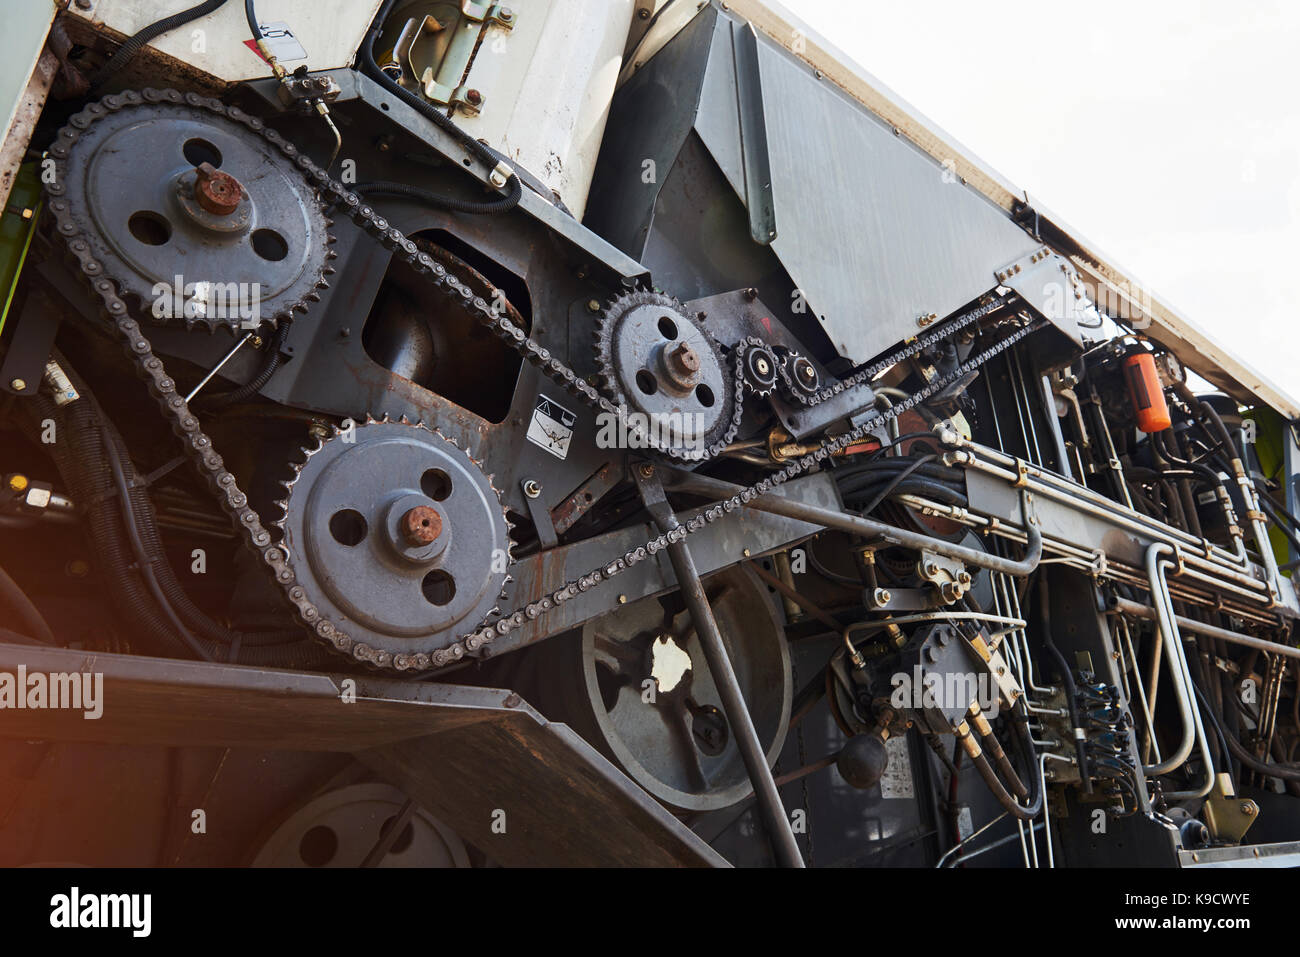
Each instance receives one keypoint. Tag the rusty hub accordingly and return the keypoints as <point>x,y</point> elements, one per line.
<point>219,193</point>
<point>421,525</point>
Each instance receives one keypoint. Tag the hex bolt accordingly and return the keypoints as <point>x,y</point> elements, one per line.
<point>421,526</point>
<point>685,359</point>
<point>18,385</point>
<point>532,488</point>
<point>217,192</point>
<point>593,305</point>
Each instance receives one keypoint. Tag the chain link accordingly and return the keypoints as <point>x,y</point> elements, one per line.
<point>224,486</point>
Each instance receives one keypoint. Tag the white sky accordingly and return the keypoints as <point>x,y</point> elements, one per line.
<point>1167,133</point>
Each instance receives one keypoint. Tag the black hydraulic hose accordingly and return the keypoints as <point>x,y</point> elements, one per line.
<point>944,494</point>
<point>880,468</point>
<point>250,14</point>
<point>1009,803</point>
<point>1239,751</point>
<point>1278,522</point>
<point>899,478</point>
<point>422,106</point>
<point>143,525</point>
<point>1067,680</point>
<point>134,44</point>
<point>27,616</point>
<point>144,563</point>
<point>85,456</point>
<point>270,365</point>
<point>439,201</point>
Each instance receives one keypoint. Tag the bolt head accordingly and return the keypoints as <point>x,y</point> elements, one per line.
<point>421,526</point>
<point>18,385</point>
<point>217,192</point>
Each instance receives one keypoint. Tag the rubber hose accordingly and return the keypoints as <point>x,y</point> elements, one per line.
<point>133,45</point>
<point>438,201</point>
<point>1067,680</point>
<point>27,616</point>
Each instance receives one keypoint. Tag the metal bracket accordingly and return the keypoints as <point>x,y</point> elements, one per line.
<point>1228,817</point>
<point>445,82</point>
<point>539,514</point>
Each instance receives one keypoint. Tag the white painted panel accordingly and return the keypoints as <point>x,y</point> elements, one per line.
<point>328,30</point>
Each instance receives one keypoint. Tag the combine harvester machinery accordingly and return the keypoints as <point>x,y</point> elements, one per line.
<point>600,432</point>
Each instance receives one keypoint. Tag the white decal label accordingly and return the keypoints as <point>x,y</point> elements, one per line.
<point>897,782</point>
<point>552,427</point>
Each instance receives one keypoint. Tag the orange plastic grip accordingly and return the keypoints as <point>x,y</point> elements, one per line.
<point>1144,389</point>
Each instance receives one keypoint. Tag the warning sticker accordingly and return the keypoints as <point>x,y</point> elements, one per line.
<point>281,40</point>
<point>897,782</point>
<point>552,427</point>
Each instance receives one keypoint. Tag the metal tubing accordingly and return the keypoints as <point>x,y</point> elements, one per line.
<point>1186,674</point>
<point>859,525</point>
<point>734,707</point>
<point>1125,606</point>
<point>1075,492</point>
<point>1169,643</point>
<point>784,845</point>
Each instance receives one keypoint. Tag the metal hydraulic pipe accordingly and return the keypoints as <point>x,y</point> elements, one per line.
<point>1186,674</point>
<point>1218,572</point>
<point>1169,645</point>
<point>860,525</point>
<point>1125,606</point>
<point>1075,493</point>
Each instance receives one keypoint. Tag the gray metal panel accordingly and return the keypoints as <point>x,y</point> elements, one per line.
<point>872,230</point>
<point>1256,855</point>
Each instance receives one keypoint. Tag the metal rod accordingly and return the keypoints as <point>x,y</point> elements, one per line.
<point>860,525</point>
<point>217,368</point>
<point>1125,606</point>
<point>789,593</point>
<point>734,707</point>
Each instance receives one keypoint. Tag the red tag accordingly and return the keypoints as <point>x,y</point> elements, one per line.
<point>252,45</point>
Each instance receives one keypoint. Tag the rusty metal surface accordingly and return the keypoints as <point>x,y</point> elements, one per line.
<point>460,751</point>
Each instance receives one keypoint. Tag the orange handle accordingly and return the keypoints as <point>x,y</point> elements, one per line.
<point>1144,389</point>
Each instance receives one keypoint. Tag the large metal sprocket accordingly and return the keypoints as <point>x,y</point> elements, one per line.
<point>656,361</point>
<point>398,537</point>
<point>130,185</point>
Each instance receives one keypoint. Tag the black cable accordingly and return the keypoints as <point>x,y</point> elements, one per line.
<point>27,616</point>
<point>1281,772</point>
<point>270,365</point>
<point>133,45</point>
<point>1067,680</point>
<point>897,480</point>
<point>143,561</point>
<point>251,16</point>
<point>488,207</point>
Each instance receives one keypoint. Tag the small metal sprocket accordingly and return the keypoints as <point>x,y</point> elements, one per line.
<point>656,361</point>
